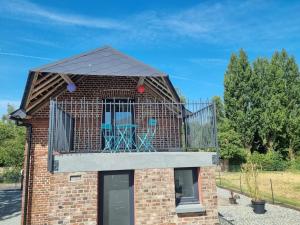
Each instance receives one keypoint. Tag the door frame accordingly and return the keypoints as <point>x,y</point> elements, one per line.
<point>101,175</point>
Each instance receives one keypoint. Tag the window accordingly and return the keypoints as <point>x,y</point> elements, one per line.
<point>186,185</point>
<point>116,198</point>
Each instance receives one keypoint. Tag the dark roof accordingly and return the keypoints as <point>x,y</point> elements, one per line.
<point>105,61</point>
<point>102,61</point>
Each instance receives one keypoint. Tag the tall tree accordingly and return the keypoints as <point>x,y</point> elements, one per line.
<point>262,102</point>
<point>261,70</point>
<point>237,97</point>
<point>276,101</point>
<point>292,125</point>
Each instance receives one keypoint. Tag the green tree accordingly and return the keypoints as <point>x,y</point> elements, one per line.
<point>230,144</point>
<point>259,84</point>
<point>12,142</point>
<point>237,97</point>
<point>219,108</point>
<point>291,128</point>
<point>262,102</point>
<point>275,102</point>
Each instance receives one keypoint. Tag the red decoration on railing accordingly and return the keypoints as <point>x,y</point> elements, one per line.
<point>141,89</point>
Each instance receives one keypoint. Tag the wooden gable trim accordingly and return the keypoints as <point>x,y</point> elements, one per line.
<point>31,89</point>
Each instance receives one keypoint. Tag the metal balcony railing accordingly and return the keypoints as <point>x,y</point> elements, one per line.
<point>123,125</point>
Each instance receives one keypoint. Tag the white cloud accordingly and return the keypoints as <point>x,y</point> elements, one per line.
<point>209,61</point>
<point>225,22</point>
<point>31,11</point>
<point>24,56</point>
<point>195,81</point>
<point>39,42</point>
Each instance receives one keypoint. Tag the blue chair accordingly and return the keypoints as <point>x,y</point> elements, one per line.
<point>108,136</point>
<point>147,138</point>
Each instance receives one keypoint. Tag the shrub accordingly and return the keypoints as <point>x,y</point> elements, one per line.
<point>11,175</point>
<point>271,161</point>
<point>295,164</point>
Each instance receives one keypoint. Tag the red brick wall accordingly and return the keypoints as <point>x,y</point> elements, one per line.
<point>73,202</point>
<point>39,178</point>
<point>155,198</point>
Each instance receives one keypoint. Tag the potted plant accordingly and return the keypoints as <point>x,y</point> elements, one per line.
<point>232,198</point>
<point>251,171</point>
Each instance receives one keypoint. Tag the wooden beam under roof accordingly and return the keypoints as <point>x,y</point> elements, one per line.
<point>55,81</point>
<point>67,78</point>
<point>173,107</point>
<point>40,91</point>
<point>43,78</point>
<point>36,74</point>
<point>172,91</point>
<point>54,94</point>
<point>43,86</point>
<point>160,84</point>
<point>46,96</point>
<point>162,94</point>
<point>164,89</point>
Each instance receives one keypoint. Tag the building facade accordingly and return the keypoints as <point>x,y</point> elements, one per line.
<point>109,142</point>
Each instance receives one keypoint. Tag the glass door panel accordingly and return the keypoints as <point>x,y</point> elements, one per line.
<point>117,198</point>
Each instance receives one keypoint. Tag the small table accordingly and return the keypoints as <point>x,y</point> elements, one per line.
<point>125,134</point>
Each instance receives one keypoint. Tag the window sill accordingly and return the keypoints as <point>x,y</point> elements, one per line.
<point>190,208</point>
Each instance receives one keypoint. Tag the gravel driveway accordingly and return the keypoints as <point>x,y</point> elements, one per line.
<point>242,213</point>
<point>10,207</point>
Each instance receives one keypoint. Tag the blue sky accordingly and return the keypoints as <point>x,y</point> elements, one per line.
<point>190,40</point>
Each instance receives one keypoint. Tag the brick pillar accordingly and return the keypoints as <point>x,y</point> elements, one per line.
<point>39,179</point>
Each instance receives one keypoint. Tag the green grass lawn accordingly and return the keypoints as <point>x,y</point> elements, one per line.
<point>286,185</point>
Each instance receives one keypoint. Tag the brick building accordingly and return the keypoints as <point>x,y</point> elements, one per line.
<point>109,142</point>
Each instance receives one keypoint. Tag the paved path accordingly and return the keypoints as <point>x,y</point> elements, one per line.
<point>242,213</point>
<point>10,207</point>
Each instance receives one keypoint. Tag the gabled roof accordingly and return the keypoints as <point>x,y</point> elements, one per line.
<point>102,61</point>
<point>51,80</point>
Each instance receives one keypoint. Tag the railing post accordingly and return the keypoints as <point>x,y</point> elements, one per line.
<point>50,136</point>
<point>217,160</point>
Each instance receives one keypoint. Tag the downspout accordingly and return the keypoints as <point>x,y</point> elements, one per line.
<point>26,187</point>
<point>29,127</point>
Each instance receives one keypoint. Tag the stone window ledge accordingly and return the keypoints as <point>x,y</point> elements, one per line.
<point>190,208</point>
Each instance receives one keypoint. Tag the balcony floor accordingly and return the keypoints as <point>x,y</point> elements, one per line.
<point>80,162</point>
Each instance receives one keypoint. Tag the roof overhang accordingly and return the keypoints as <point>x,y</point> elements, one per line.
<point>18,114</point>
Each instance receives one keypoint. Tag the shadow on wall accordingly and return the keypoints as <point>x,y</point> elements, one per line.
<point>10,203</point>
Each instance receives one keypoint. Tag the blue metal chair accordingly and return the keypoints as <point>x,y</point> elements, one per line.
<point>147,138</point>
<point>108,136</point>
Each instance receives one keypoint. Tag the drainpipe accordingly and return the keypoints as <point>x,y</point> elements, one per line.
<point>29,127</point>
<point>26,187</point>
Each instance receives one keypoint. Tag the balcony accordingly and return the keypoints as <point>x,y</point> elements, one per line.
<point>127,126</point>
